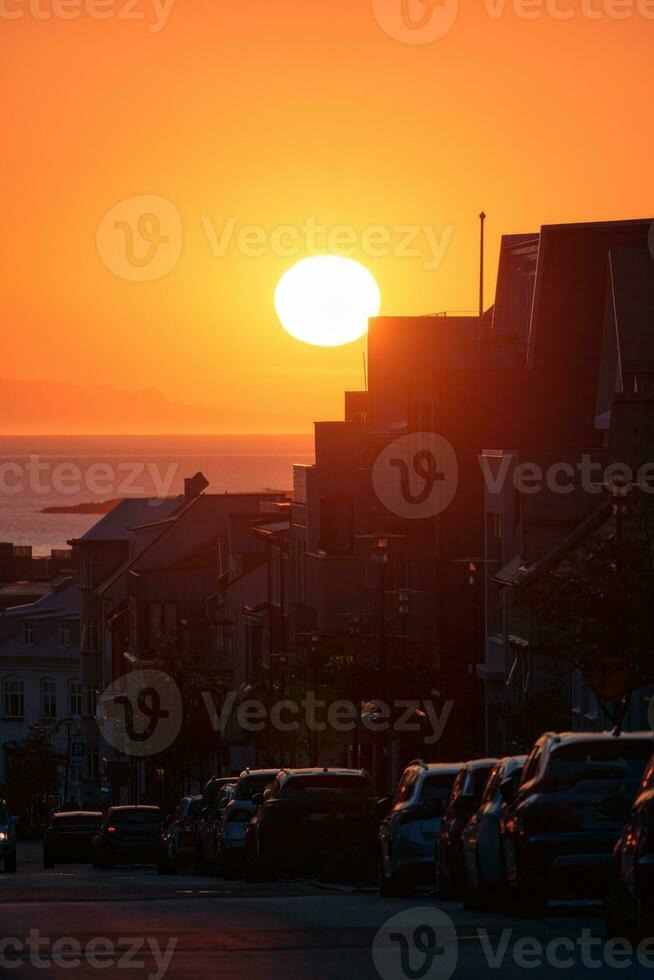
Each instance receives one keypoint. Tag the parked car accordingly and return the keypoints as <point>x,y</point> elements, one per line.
<point>308,820</point>
<point>560,829</point>
<point>128,835</point>
<point>212,791</point>
<point>208,827</point>
<point>630,902</point>
<point>408,832</point>
<point>69,838</point>
<point>481,835</point>
<point>230,831</point>
<point>184,822</point>
<point>7,838</point>
<point>466,797</point>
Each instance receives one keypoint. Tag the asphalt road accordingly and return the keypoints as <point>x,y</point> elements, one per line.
<point>130,922</point>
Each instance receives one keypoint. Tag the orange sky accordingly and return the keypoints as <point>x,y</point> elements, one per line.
<point>272,112</point>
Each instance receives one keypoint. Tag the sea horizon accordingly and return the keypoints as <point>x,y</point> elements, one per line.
<point>39,472</point>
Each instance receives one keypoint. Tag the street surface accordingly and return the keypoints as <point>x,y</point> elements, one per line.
<point>133,922</point>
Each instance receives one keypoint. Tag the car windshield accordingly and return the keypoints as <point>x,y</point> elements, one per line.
<point>77,822</point>
<point>437,787</point>
<point>617,759</point>
<point>252,785</point>
<point>124,817</point>
<point>315,787</point>
<point>4,815</point>
<point>476,783</point>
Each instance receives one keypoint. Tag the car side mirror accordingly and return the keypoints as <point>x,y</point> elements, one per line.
<point>266,795</point>
<point>258,799</point>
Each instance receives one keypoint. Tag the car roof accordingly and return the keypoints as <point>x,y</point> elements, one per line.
<point>63,814</point>
<point>258,772</point>
<point>480,764</point>
<point>133,806</point>
<point>323,771</point>
<point>569,738</point>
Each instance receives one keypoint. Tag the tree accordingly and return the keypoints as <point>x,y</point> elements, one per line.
<point>591,605</point>
<point>33,768</point>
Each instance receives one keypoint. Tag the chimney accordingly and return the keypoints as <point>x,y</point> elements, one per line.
<point>194,486</point>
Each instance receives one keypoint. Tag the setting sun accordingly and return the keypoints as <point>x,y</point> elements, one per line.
<point>326,300</point>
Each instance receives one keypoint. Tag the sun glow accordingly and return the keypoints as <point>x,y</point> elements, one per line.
<point>326,300</point>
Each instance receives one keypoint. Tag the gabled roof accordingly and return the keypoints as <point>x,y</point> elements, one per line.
<point>129,513</point>
<point>62,602</point>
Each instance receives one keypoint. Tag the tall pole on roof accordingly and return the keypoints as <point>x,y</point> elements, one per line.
<point>482,218</point>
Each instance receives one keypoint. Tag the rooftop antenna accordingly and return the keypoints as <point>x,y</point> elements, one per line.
<point>365,372</point>
<point>482,218</point>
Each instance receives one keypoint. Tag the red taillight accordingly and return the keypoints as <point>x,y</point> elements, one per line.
<point>111,830</point>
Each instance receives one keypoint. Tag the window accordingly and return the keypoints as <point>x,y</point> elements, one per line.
<point>77,756</point>
<point>90,701</point>
<point>13,698</point>
<point>89,572</point>
<point>29,633</point>
<point>93,764</point>
<point>65,634</point>
<point>48,699</point>
<point>90,637</point>
<point>75,698</point>
<point>222,635</point>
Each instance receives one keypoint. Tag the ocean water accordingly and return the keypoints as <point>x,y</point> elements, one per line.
<point>39,472</point>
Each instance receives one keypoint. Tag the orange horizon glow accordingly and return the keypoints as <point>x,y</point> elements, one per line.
<point>259,126</point>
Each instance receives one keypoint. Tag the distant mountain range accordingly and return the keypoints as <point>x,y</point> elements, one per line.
<point>59,408</point>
